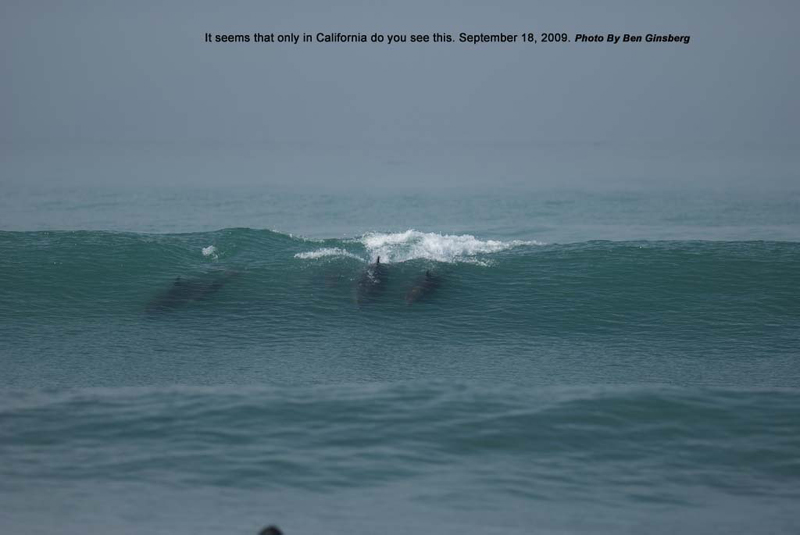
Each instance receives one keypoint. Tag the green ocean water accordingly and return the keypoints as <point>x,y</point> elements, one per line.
<point>559,363</point>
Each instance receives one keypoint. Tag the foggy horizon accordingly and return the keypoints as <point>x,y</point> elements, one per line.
<point>109,74</point>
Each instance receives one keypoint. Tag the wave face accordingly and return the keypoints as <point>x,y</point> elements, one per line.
<point>209,382</point>
<point>676,312</point>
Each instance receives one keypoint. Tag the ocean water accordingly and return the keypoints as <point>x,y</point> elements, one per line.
<point>212,360</point>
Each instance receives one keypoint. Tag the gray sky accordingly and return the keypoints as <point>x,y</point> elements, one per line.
<point>133,74</point>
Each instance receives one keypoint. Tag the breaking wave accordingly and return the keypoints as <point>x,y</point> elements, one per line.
<point>412,244</point>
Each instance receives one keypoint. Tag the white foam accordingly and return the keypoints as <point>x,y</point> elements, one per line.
<point>326,251</point>
<point>412,245</point>
<point>210,251</point>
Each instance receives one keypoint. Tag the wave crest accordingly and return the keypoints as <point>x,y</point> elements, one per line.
<point>397,247</point>
<point>412,245</point>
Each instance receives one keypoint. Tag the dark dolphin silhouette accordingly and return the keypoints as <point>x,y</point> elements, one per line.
<point>184,291</point>
<point>371,282</point>
<point>423,287</point>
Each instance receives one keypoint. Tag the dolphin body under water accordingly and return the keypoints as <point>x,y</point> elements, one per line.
<point>371,282</point>
<point>423,287</point>
<point>184,291</point>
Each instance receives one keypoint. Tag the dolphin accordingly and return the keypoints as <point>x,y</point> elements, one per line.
<point>183,291</point>
<point>371,282</point>
<point>424,286</point>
